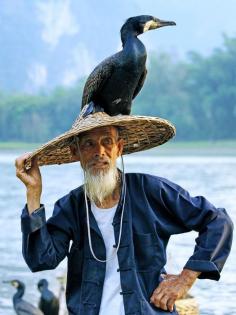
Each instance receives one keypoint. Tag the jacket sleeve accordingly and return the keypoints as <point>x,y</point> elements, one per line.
<point>45,244</point>
<point>213,225</point>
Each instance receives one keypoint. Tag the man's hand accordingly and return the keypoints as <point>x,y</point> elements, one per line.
<point>173,287</point>
<point>32,180</point>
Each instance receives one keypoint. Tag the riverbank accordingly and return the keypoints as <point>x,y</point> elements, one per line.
<point>199,148</point>
<point>18,146</point>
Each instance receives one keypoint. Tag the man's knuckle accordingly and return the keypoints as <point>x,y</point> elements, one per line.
<point>164,284</point>
<point>156,291</point>
<point>171,302</point>
<point>163,304</point>
<point>156,303</point>
<point>174,295</point>
<point>156,299</point>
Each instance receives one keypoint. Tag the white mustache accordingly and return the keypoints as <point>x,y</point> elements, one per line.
<point>95,160</point>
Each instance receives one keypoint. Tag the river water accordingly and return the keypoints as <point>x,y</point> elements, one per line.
<point>213,177</point>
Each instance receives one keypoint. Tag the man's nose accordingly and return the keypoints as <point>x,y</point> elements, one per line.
<point>99,150</point>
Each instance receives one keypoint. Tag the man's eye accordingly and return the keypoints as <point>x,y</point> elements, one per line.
<point>107,141</point>
<point>87,144</point>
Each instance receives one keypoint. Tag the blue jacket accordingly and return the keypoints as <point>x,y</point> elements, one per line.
<point>155,208</point>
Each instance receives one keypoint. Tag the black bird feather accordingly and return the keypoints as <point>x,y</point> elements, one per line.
<point>21,306</point>
<point>117,80</point>
<point>48,303</point>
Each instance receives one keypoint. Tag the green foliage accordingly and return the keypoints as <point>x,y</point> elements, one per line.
<point>37,118</point>
<point>198,96</point>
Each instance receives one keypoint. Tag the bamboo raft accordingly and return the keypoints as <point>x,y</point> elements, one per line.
<point>187,306</point>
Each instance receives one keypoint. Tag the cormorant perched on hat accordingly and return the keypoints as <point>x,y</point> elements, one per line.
<point>116,81</point>
<point>21,306</point>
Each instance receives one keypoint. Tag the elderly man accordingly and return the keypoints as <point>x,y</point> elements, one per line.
<point>119,225</point>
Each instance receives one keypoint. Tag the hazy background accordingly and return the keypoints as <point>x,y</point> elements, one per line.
<point>48,48</point>
<point>49,43</point>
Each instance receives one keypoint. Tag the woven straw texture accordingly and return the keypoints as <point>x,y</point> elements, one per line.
<point>139,133</point>
<point>188,306</point>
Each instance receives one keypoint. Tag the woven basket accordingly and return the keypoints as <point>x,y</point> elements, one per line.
<point>187,306</point>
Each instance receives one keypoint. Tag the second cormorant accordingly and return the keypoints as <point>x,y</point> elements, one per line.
<point>48,303</point>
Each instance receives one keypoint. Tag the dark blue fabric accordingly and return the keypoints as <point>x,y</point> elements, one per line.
<point>155,209</point>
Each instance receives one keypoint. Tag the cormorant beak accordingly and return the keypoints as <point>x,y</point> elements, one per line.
<point>156,23</point>
<point>8,282</point>
<point>166,23</point>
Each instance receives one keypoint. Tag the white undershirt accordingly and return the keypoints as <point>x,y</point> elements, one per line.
<point>112,301</point>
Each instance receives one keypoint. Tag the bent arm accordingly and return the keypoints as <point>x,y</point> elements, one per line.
<point>213,225</point>
<point>213,245</point>
<point>45,244</point>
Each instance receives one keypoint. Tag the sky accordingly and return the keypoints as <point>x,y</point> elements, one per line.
<point>45,43</point>
<point>200,24</point>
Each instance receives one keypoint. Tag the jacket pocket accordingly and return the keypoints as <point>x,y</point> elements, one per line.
<point>146,252</point>
<point>75,260</point>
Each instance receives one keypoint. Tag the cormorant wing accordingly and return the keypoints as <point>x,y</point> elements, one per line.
<point>25,308</point>
<point>97,78</point>
<point>49,306</point>
<point>140,83</point>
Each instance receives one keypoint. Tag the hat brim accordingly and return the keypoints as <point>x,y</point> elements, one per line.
<point>138,132</point>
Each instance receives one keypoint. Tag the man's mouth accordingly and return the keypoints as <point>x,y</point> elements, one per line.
<point>98,164</point>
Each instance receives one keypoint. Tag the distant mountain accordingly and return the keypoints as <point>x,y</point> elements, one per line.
<point>46,43</point>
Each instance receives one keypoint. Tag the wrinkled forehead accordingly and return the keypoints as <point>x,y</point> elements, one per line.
<point>105,130</point>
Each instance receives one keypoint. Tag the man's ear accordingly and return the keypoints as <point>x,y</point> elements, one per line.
<point>74,152</point>
<point>120,146</point>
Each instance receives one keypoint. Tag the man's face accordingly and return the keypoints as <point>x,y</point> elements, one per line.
<point>98,149</point>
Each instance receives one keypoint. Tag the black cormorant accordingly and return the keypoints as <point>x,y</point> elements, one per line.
<point>21,306</point>
<point>116,81</point>
<point>48,303</point>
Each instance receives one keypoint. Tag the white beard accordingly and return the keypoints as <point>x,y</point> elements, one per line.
<point>101,185</point>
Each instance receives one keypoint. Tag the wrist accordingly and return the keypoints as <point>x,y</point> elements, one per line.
<point>33,193</point>
<point>189,276</point>
<point>32,206</point>
<point>33,200</point>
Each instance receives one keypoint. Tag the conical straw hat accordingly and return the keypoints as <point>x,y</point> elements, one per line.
<point>139,133</point>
